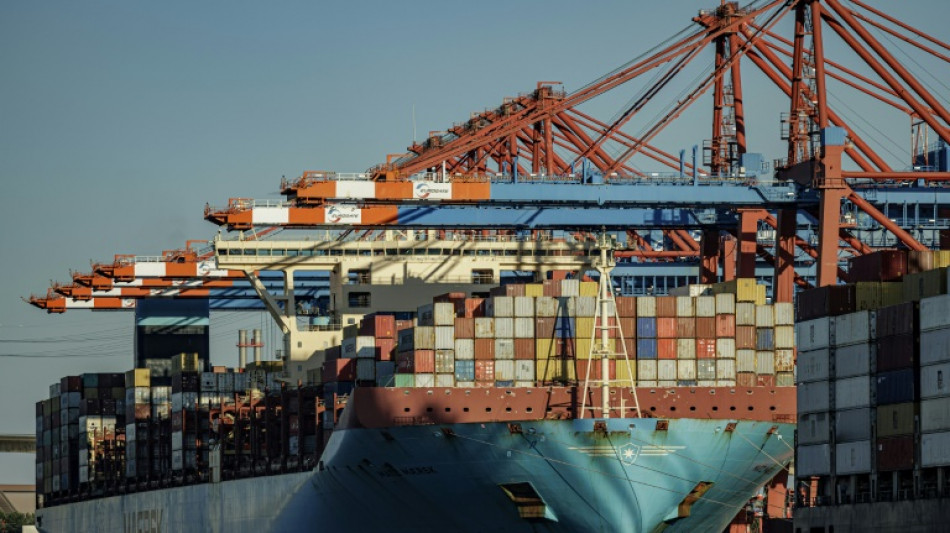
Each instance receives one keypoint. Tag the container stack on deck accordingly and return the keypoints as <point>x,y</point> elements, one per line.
<point>874,422</point>
<point>541,333</point>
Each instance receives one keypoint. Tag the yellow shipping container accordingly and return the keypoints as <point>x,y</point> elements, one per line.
<point>534,290</point>
<point>548,348</point>
<point>585,327</point>
<point>584,345</point>
<point>942,258</point>
<point>891,293</point>
<point>588,288</point>
<point>760,295</point>
<point>562,370</point>
<point>186,362</point>
<point>138,377</point>
<point>744,289</point>
<point>626,373</point>
<point>868,295</point>
<point>897,419</point>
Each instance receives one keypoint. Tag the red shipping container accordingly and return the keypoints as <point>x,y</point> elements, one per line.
<point>551,287</point>
<point>404,362</point>
<point>705,348</point>
<point>666,306</point>
<point>745,337</point>
<point>765,380</point>
<point>450,297</point>
<point>339,370</point>
<point>686,328</point>
<point>628,326</point>
<point>666,348</point>
<point>464,328</point>
<point>544,327</point>
<point>666,327</point>
<point>524,349</point>
<point>882,265</point>
<point>631,344</point>
<point>403,324</point>
<point>896,319</point>
<point>473,307</point>
<point>626,307</point>
<point>423,361</point>
<point>706,327</point>
<point>485,371</point>
<point>512,289</point>
<point>725,325</point>
<point>595,367</point>
<point>895,453</point>
<point>385,348</point>
<point>379,326</point>
<point>895,352</point>
<point>746,379</point>
<point>485,349</point>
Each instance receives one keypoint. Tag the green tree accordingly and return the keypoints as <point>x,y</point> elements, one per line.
<point>14,522</point>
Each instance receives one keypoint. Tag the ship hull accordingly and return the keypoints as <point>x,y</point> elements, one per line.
<point>540,475</point>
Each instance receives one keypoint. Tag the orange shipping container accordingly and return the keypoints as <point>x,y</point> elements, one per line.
<point>423,361</point>
<point>630,343</point>
<point>686,327</point>
<point>745,379</point>
<point>666,348</point>
<point>666,327</point>
<point>745,337</point>
<point>544,327</point>
<point>627,307</point>
<point>628,326</point>
<point>705,348</point>
<point>706,327</point>
<point>666,306</point>
<point>485,349</point>
<point>464,328</point>
<point>725,325</point>
<point>485,371</point>
<point>765,380</point>
<point>385,348</point>
<point>473,307</point>
<point>524,349</point>
<point>595,368</point>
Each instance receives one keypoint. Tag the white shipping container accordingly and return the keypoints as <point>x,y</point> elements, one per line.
<point>686,349</point>
<point>484,327</point>
<point>814,397</point>
<point>725,383</point>
<point>853,457</point>
<point>647,369</point>
<point>505,327</point>
<point>853,360</point>
<point>666,383</point>
<point>366,369</point>
<point>706,370</point>
<point>443,314</point>
<point>814,428</point>
<point>524,306</point>
<point>726,369</point>
<point>445,337</point>
<point>784,337</point>
<point>745,360</point>
<point>547,307</point>
<point>504,349</point>
<point>725,348</point>
<point>686,369</point>
<point>505,370</point>
<point>765,362</point>
<point>935,449</point>
<point>745,314</point>
<point>935,380</point>
<point>177,440</point>
<point>705,306</point>
<point>646,306</point>
<point>685,306</point>
<point>935,414</point>
<point>813,365</point>
<point>784,313</point>
<point>853,328</point>
<point>935,346</point>
<point>524,328</point>
<point>764,316</point>
<point>570,287</point>
<point>444,380</point>
<point>524,370</point>
<point>425,380</point>
<point>814,334</point>
<point>504,306</point>
<point>465,349</point>
<point>666,369</point>
<point>567,306</point>
<point>814,460</point>
<point>444,361</point>
<point>519,383</point>
<point>853,392</point>
<point>423,338</point>
<point>726,304</point>
<point>935,312</point>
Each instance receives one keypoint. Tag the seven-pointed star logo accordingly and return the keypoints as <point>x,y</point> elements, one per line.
<point>629,453</point>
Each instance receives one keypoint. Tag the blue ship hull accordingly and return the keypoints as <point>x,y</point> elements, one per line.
<point>543,475</point>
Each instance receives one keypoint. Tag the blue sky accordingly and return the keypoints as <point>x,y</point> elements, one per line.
<point>120,120</point>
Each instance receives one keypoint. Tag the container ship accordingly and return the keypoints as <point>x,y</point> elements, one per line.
<point>551,406</point>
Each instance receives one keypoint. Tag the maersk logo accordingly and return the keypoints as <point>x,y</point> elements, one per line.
<point>149,521</point>
<point>343,214</point>
<point>424,190</point>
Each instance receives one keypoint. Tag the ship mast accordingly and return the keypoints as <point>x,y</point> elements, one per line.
<point>606,310</point>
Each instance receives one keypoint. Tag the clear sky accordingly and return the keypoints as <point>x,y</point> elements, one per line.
<point>119,120</point>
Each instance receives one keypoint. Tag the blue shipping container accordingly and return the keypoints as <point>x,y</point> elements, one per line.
<point>565,327</point>
<point>464,370</point>
<point>764,339</point>
<point>646,328</point>
<point>646,348</point>
<point>895,387</point>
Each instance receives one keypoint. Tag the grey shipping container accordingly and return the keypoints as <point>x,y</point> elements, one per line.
<point>814,428</point>
<point>853,424</point>
<point>853,457</point>
<point>853,360</point>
